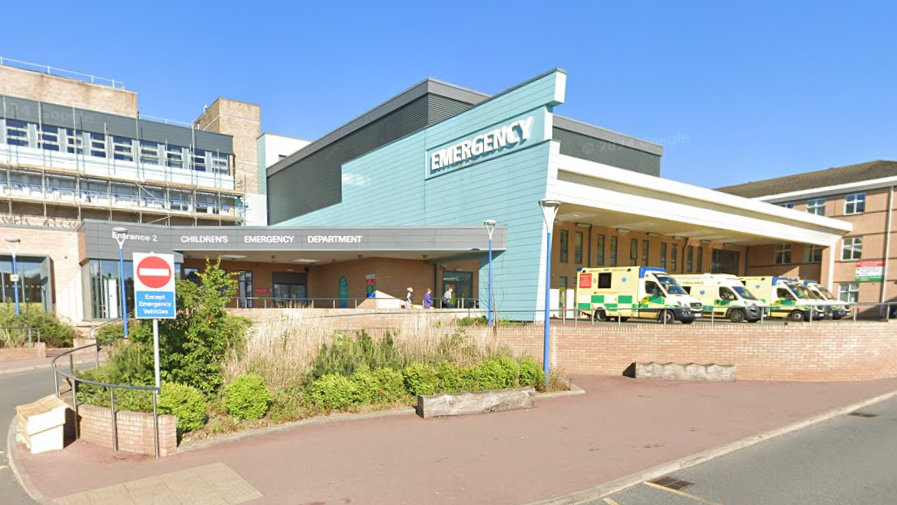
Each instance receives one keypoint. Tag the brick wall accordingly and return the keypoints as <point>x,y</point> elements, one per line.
<point>135,430</point>
<point>822,351</point>
<point>37,350</point>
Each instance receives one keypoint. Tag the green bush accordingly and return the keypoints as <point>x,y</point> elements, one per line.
<point>332,392</point>
<point>490,375</point>
<point>531,373</point>
<point>450,378</point>
<point>247,397</point>
<point>367,387</point>
<point>110,331</point>
<point>421,379</point>
<point>384,385</point>
<point>345,355</point>
<point>52,331</point>
<point>185,402</point>
<point>287,404</point>
<point>392,384</point>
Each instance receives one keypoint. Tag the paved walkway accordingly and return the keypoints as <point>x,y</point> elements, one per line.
<point>619,427</point>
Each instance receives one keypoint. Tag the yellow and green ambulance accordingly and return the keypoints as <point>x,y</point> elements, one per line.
<point>724,296</point>
<point>840,309</point>
<point>786,297</point>
<point>620,293</point>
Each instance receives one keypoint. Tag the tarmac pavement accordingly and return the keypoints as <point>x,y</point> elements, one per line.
<point>620,427</point>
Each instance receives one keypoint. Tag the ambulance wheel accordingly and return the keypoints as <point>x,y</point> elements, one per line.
<point>666,317</point>
<point>797,316</point>
<point>624,319</point>
<point>600,315</point>
<point>737,316</point>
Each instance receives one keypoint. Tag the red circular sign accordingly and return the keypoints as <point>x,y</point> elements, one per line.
<point>154,272</point>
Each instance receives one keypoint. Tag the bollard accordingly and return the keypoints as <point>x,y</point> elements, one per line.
<point>114,423</point>
<point>75,407</point>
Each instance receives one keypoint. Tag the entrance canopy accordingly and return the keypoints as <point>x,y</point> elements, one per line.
<point>305,245</point>
<point>602,195</point>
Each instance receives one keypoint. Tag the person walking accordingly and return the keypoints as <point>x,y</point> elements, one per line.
<point>447,298</point>
<point>428,299</point>
<point>408,302</point>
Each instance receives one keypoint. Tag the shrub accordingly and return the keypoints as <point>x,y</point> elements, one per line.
<point>531,373</point>
<point>287,404</point>
<point>345,355</point>
<point>392,384</point>
<point>247,397</point>
<point>185,402</point>
<point>52,331</point>
<point>490,375</point>
<point>420,379</point>
<point>450,378</point>
<point>367,387</point>
<point>332,392</point>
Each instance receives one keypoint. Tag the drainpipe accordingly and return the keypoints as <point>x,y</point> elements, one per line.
<point>884,280</point>
<point>830,279</point>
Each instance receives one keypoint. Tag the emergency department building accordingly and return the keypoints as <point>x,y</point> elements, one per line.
<point>397,198</point>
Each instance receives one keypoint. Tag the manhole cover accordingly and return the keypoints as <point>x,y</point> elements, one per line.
<point>671,482</point>
<point>862,414</point>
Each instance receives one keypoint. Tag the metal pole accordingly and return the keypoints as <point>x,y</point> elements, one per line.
<point>489,301</point>
<point>155,423</point>
<point>15,281</point>
<point>114,423</point>
<point>546,366</point>
<point>121,278</point>
<point>156,353</point>
<point>75,406</point>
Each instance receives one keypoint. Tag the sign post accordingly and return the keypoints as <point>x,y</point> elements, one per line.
<point>154,295</point>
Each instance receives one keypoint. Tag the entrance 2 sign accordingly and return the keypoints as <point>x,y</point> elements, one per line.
<point>154,286</point>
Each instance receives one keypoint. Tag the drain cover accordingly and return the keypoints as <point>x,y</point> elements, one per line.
<point>671,482</point>
<point>862,414</point>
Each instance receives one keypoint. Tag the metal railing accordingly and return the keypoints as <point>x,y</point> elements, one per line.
<point>60,373</point>
<point>27,334</point>
<point>274,302</point>
<point>60,72</point>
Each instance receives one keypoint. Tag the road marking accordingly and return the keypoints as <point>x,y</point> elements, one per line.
<point>609,501</point>
<point>681,493</point>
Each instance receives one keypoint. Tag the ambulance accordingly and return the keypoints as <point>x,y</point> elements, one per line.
<point>724,296</point>
<point>840,309</point>
<point>640,292</point>
<point>786,297</point>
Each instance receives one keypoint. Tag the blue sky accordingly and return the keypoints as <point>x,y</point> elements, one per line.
<point>735,93</point>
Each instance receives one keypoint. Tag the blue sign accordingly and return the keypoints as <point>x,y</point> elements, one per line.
<point>154,304</point>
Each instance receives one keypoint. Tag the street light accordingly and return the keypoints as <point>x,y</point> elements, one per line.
<point>490,227</point>
<point>13,244</point>
<point>121,234</point>
<point>549,211</point>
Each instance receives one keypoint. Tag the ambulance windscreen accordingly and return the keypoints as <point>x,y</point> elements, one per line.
<point>670,285</point>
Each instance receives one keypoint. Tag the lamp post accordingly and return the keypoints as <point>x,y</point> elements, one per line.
<point>549,211</point>
<point>13,244</point>
<point>121,234</point>
<point>490,227</point>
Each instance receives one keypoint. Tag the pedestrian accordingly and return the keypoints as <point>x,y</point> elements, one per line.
<point>428,299</point>
<point>408,295</point>
<point>447,298</point>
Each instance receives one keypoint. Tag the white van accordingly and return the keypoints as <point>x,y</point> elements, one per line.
<point>724,296</point>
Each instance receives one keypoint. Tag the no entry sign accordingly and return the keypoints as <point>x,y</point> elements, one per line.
<point>154,286</point>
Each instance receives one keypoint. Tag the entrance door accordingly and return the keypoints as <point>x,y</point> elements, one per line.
<point>462,284</point>
<point>290,289</point>
<point>246,293</point>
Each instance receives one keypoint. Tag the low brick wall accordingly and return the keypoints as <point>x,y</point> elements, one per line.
<point>819,351</point>
<point>360,319</point>
<point>135,430</point>
<point>33,351</point>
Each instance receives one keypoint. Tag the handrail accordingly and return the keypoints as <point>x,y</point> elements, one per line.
<point>34,67</point>
<point>74,380</point>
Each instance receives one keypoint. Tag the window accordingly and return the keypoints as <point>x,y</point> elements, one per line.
<point>577,247</point>
<point>852,249</point>
<point>74,141</point>
<point>562,293</point>
<point>816,206</point>
<point>653,289</point>
<point>219,163</point>
<point>97,145</point>
<point>782,254</point>
<point>674,257</point>
<point>601,249</point>
<point>787,205</point>
<point>613,251</point>
<point>17,133</point>
<point>564,239</point>
<point>700,259</point>
<point>633,251</point>
<point>855,203</point>
<point>645,253</point>
<point>849,292</point>
<point>690,259</point>
<point>174,156</point>
<point>812,254</point>
<point>604,280</point>
<point>48,138</point>
<point>199,161</point>
<point>122,149</point>
<point>149,152</point>
<point>663,255</point>
<point>784,294</point>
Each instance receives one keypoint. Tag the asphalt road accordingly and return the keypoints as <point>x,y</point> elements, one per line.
<point>847,460</point>
<point>16,389</point>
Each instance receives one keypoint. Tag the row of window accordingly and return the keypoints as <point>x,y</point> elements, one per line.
<point>694,260</point>
<point>854,203</point>
<point>851,249</point>
<point>54,138</point>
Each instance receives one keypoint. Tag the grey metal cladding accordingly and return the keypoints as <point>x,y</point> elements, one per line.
<point>315,181</point>
<point>588,148</point>
<point>112,124</point>
<point>441,108</point>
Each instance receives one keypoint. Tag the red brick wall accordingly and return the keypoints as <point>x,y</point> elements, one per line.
<point>135,430</point>
<point>822,351</point>
<point>37,350</point>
